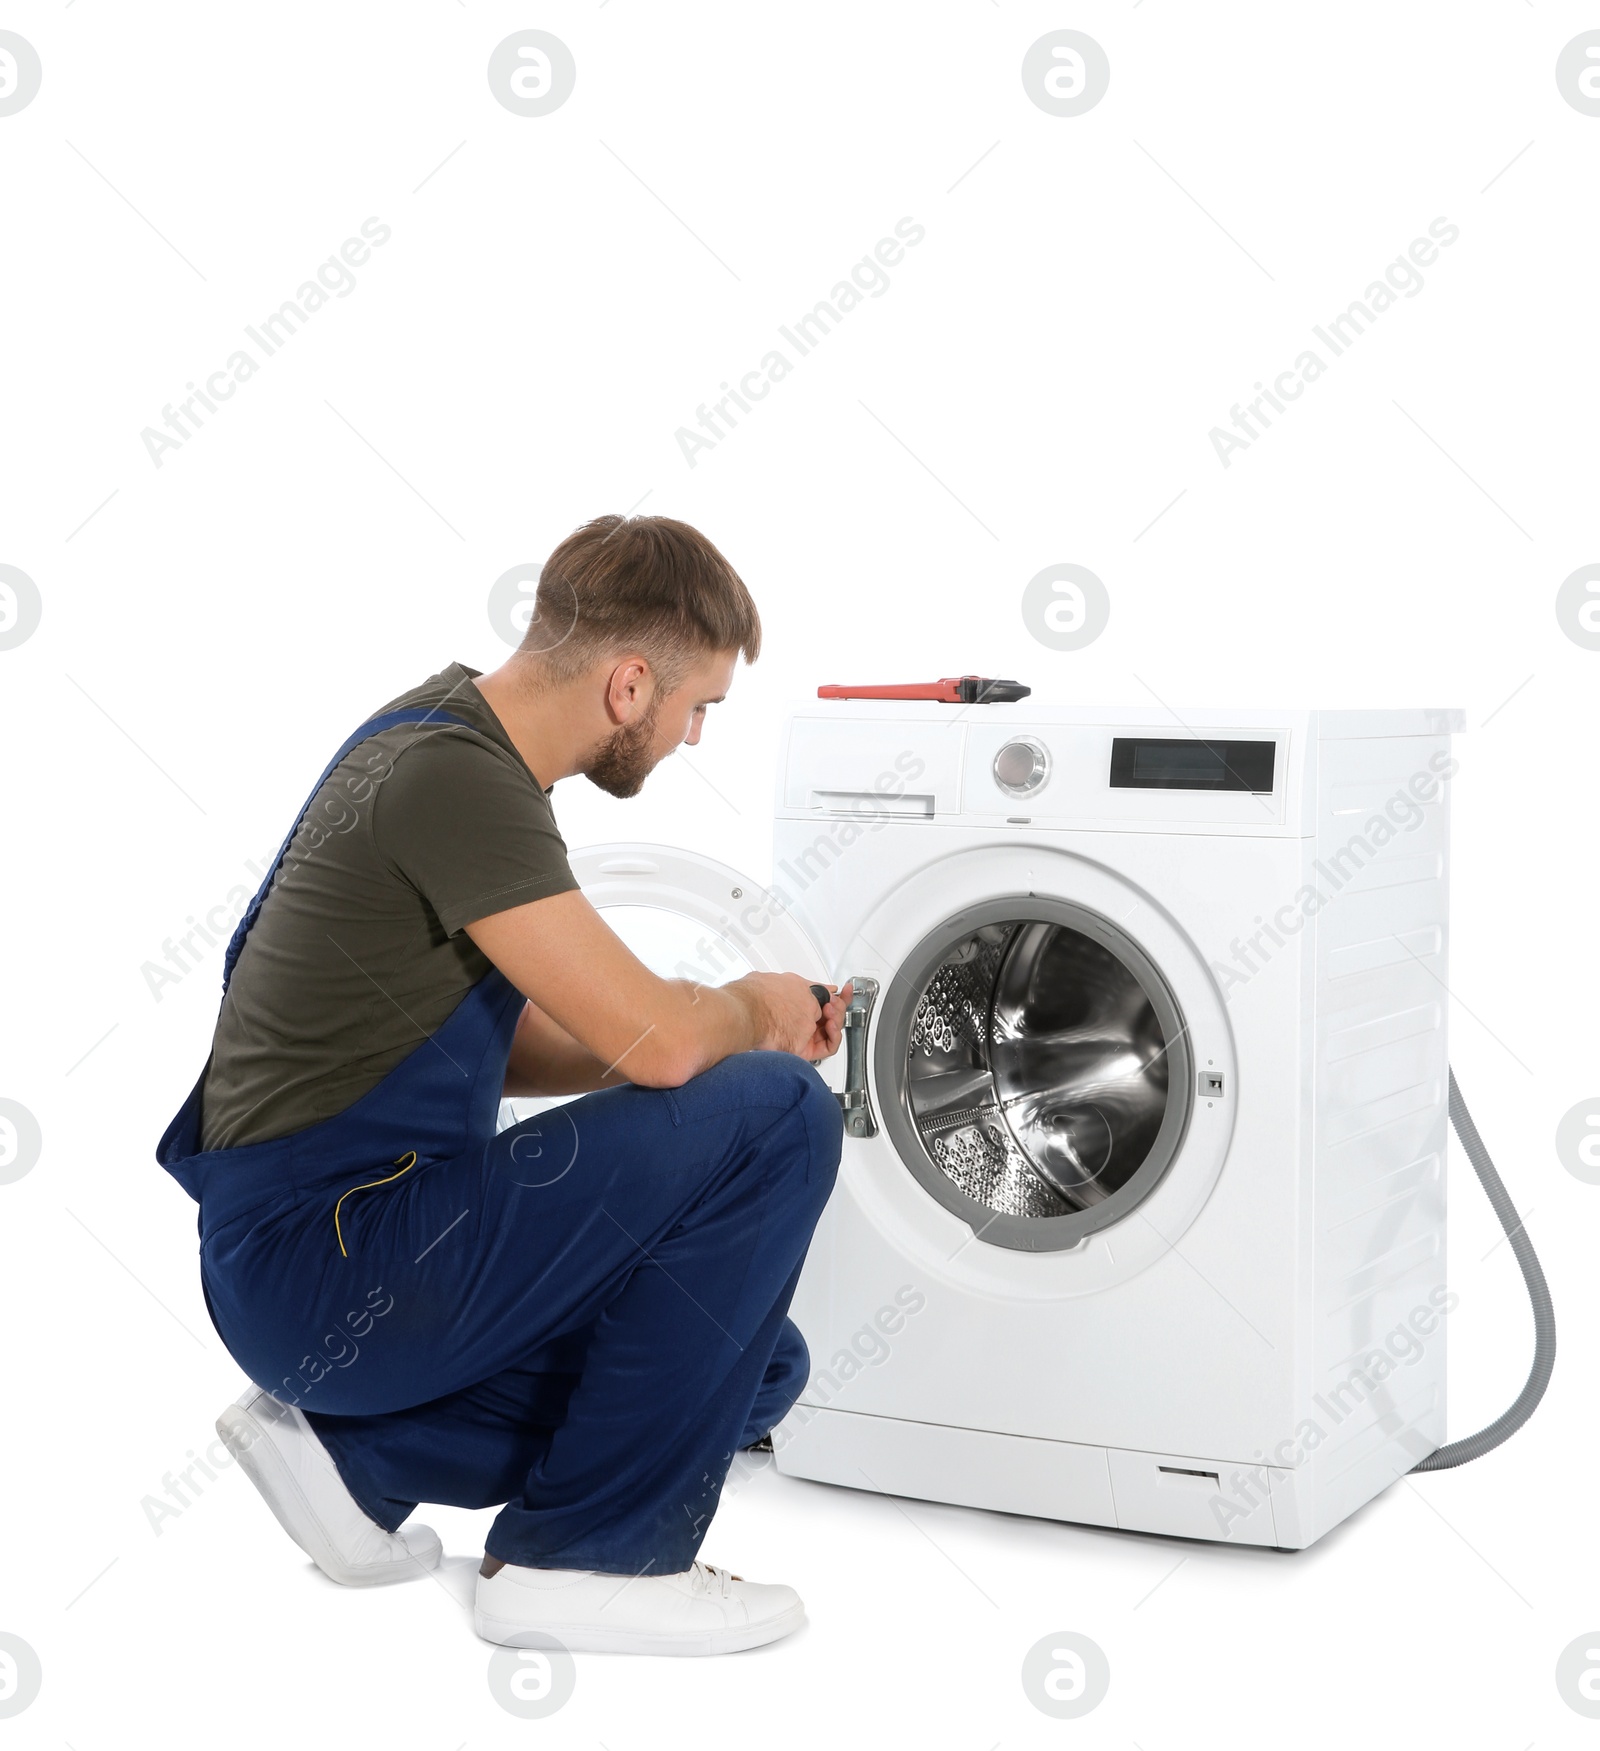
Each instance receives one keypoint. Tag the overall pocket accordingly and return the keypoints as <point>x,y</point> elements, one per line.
<point>404,1164</point>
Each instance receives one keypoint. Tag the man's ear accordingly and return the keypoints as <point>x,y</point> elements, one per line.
<point>628,689</point>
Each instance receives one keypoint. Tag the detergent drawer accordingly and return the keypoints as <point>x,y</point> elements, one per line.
<point>1016,1474</point>
<point>1186,1497</point>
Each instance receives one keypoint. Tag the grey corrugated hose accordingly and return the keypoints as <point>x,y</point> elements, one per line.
<point>1544,1318</point>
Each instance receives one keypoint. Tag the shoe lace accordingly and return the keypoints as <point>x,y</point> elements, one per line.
<point>708,1578</point>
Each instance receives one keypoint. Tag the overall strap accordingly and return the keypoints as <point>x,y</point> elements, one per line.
<point>373,726</point>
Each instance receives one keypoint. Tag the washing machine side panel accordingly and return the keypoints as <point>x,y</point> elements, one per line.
<point>1380,1083</point>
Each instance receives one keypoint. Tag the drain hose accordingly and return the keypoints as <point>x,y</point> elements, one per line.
<point>1544,1319</point>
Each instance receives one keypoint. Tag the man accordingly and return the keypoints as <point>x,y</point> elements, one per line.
<point>584,1316</point>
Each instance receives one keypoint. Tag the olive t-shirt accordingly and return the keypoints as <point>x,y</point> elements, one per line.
<point>358,953</point>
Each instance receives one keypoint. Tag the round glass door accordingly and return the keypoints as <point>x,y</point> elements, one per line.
<point>1034,1071</point>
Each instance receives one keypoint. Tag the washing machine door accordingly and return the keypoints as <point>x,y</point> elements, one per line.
<point>689,917</point>
<point>1035,1070</point>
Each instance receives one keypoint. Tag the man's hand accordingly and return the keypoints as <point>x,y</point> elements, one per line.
<point>588,987</point>
<point>787,1012</point>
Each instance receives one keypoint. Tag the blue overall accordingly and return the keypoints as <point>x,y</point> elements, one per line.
<point>582,1317</point>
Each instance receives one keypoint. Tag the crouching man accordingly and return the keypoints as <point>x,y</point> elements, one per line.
<point>582,1318</point>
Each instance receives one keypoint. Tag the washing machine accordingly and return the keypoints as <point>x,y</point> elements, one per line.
<point>1140,1221</point>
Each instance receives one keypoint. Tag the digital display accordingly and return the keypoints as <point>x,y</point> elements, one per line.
<point>1144,763</point>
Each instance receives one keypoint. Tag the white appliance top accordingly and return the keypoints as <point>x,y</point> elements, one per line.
<point>1041,763</point>
<point>1154,719</point>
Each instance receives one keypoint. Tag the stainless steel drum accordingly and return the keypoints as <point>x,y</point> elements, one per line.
<point>1034,1070</point>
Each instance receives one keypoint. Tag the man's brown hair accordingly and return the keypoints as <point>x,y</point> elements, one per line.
<point>649,584</point>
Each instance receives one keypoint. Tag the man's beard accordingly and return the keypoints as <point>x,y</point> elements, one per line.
<point>624,761</point>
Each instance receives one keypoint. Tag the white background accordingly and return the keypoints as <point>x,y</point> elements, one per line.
<point>1036,387</point>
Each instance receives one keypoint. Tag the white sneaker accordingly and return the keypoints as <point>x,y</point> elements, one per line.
<point>704,1610</point>
<point>278,1452</point>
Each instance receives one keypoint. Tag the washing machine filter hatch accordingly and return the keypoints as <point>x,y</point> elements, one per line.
<point>1040,1071</point>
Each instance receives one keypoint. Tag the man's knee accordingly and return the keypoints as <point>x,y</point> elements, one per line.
<point>814,1103</point>
<point>751,1081</point>
<point>791,1363</point>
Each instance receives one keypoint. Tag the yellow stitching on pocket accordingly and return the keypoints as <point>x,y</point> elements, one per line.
<point>405,1164</point>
